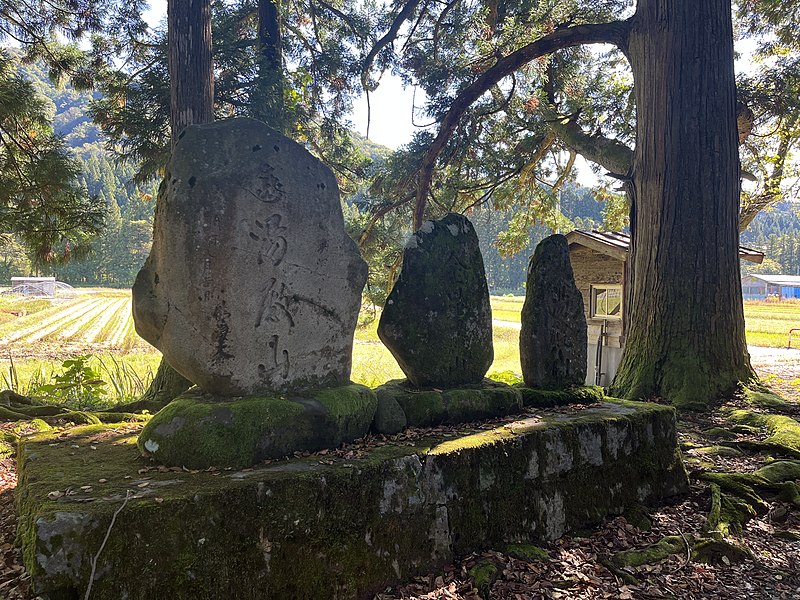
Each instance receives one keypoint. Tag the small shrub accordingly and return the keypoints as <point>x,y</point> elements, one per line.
<point>78,386</point>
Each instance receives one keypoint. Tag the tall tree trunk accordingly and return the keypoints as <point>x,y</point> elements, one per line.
<point>267,99</point>
<point>686,337</point>
<point>191,74</point>
<point>191,71</point>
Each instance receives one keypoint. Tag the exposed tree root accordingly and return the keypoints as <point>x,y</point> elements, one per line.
<point>735,497</point>
<point>34,415</point>
<point>702,549</point>
<point>784,431</point>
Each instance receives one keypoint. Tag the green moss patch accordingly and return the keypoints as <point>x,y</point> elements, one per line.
<point>638,516</point>
<point>527,552</point>
<point>200,431</point>
<point>587,394</point>
<point>483,575</point>
<point>425,407</point>
<point>8,442</point>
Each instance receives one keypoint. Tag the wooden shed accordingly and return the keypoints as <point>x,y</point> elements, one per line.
<point>600,261</point>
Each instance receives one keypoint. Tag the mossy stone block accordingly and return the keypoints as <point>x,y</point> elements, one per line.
<point>432,407</point>
<point>198,431</point>
<point>389,416</point>
<point>490,400</point>
<point>538,398</point>
<point>338,529</point>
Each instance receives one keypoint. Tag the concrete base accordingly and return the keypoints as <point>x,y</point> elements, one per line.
<point>328,526</point>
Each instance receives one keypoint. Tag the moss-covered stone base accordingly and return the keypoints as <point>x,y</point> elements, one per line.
<point>428,407</point>
<point>586,394</point>
<point>322,527</point>
<point>198,430</point>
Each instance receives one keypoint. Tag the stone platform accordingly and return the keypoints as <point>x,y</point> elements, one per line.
<point>343,524</point>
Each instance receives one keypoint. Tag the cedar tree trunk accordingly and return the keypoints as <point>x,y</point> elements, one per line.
<point>686,337</point>
<point>191,71</point>
<point>267,99</point>
<point>191,76</point>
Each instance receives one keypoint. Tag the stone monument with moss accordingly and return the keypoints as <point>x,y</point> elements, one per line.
<point>553,334</point>
<point>251,291</point>
<point>437,323</point>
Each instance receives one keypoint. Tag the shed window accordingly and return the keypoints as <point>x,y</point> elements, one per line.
<point>607,301</point>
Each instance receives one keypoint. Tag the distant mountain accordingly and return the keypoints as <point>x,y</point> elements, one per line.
<point>69,109</point>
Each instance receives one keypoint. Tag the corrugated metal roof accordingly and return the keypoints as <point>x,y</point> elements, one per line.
<point>622,241</point>
<point>781,280</point>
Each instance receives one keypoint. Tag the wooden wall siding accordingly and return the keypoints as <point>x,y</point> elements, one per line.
<point>591,268</point>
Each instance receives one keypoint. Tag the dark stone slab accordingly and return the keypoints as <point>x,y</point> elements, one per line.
<point>553,337</point>
<point>428,407</point>
<point>437,321</point>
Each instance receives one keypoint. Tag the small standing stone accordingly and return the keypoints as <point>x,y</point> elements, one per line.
<point>552,341</point>
<point>437,321</point>
<point>252,283</point>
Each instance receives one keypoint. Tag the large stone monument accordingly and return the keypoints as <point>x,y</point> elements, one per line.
<point>252,292</point>
<point>252,283</point>
<point>552,340</point>
<point>437,321</point>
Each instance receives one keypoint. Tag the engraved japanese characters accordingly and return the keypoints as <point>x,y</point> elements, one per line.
<point>252,283</point>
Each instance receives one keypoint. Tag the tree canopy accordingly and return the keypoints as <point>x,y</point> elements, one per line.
<point>41,200</point>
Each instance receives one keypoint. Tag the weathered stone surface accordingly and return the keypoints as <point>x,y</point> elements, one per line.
<point>252,283</point>
<point>437,321</point>
<point>536,398</point>
<point>430,407</point>
<point>389,417</point>
<point>552,340</point>
<point>304,529</point>
<point>199,431</point>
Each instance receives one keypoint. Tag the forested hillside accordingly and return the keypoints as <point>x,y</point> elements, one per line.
<point>776,231</point>
<point>124,243</point>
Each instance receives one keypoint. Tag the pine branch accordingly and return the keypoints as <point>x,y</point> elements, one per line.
<point>615,32</point>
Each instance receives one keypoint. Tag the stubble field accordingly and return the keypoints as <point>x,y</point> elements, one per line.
<point>37,335</point>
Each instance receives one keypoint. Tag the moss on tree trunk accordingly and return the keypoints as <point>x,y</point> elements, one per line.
<point>686,337</point>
